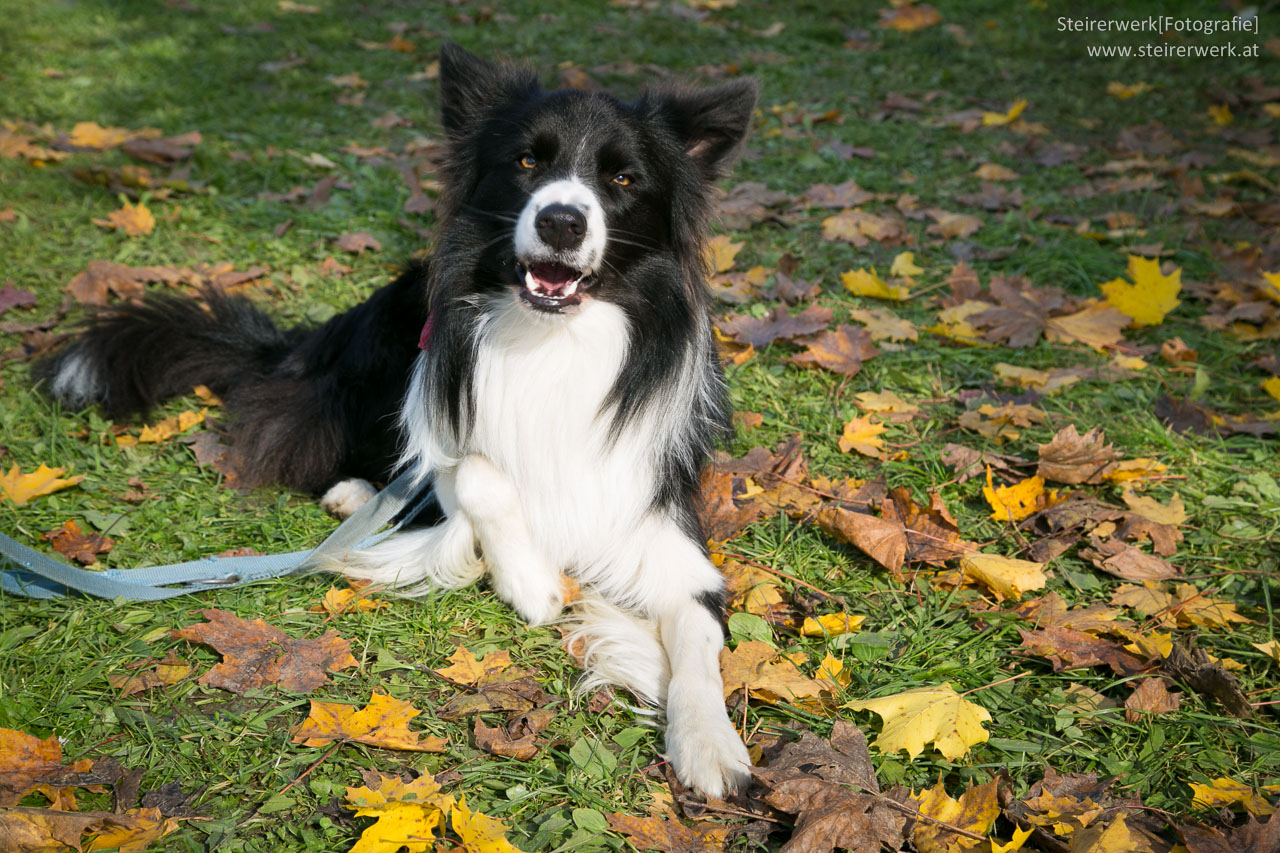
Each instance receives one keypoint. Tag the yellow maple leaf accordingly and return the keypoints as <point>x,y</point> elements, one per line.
<point>904,263</point>
<point>1099,326</point>
<point>721,251</point>
<point>134,220</point>
<point>1225,791</point>
<point>1151,646</point>
<point>1016,502</point>
<point>478,832</point>
<point>976,811</point>
<point>859,282</point>
<point>862,435</point>
<point>1270,286</point>
<point>1134,469</point>
<point>20,488</point>
<point>408,814</point>
<point>996,119</point>
<point>468,669</point>
<point>1152,294</point>
<point>832,669</point>
<point>1119,90</point>
<point>831,624</point>
<point>885,401</point>
<point>1271,648</point>
<point>134,831</point>
<point>1272,386</point>
<point>995,172</point>
<point>89,134</point>
<point>1005,576</point>
<point>1174,512</point>
<point>937,715</point>
<point>338,600</point>
<point>885,325</point>
<point>1221,114</point>
<point>954,322</point>
<point>759,669</point>
<point>383,722</point>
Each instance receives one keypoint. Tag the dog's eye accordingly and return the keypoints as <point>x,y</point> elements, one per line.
<point>622,179</point>
<point>528,161</point>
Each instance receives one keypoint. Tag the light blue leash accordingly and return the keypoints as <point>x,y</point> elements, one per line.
<point>39,576</point>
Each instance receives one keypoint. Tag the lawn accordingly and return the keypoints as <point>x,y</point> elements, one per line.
<point>1019,172</point>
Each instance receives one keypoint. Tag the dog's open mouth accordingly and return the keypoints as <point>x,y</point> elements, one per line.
<point>549,286</point>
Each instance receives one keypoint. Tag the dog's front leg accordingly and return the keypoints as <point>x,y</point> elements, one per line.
<point>702,744</point>
<point>520,573</point>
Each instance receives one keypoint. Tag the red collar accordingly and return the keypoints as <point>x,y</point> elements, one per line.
<point>426,332</point>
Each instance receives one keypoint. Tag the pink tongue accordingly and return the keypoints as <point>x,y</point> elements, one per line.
<point>553,277</point>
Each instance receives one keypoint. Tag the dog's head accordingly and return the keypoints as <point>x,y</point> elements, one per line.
<point>565,195</point>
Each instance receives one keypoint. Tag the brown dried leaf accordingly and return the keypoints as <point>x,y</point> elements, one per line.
<point>1072,458</point>
<point>256,655</point>
<point>517,695</point>
<point>882,540</point>
<point>669,835</point>
<point>26,762</point>
<point>357,241</point>
<point>832,817</point>
<point>764,674</point>
<point>761,332</point>
<point>932,534</point>
<point>969,463</point>
<point>1127,562</point>
<point>12,297</point>
<point>498,741</point>
<point>1068,649</point>
<point>1151,696</point>
<point>841,351</point>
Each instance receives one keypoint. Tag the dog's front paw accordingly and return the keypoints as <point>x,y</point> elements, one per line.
<point>707,754</point>
<point>535,605</point>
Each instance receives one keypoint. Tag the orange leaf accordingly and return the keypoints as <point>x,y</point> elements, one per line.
<point>134,220</point>
<point>468,669</point>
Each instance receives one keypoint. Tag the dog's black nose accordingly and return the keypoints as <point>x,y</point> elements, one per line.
<point>561,226</point>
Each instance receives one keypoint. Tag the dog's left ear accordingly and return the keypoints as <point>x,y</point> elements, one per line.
<point>711,123</point>
<point>471,86</point>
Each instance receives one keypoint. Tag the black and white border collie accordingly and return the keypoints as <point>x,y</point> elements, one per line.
<point>550,372</point>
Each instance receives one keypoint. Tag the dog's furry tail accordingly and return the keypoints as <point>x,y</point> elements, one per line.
<point>131,358</point>
<point>617,647</point>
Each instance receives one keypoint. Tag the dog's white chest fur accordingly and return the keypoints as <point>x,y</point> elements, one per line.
<point>541,419</point>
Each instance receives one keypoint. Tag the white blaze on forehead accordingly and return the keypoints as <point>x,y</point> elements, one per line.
<point>573,193</point>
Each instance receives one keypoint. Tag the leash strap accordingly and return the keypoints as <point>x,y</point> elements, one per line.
<point>39,576</point>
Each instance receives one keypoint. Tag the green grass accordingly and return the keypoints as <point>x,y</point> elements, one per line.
<point>134,64</point>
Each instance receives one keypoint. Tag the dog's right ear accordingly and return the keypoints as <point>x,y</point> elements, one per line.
<point>471,86</point>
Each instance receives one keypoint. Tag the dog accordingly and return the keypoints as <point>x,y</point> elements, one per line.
<point>550,373</point>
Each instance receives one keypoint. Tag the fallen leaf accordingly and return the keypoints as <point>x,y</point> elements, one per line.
<point>932,534</point>
<point>25,763</point>
<point>909,17</point>
<point>1127,562</point>
<point>383,722</point>
<point>990,119</point>
<point>761,332</point>
<point>72,542</point>
<point>468,669</point>
<point>338,601</point>
<point>764,674</point>
<point>90,134</point>
<point>478,832</point>
<point>1150,296</point>
<point>1100,325</point>
<point>1150,696</point>
<point>135,220</point>
<point>357,241</point>
<point>256,655</point>
<point>862,435</point>
<point>860,228</point>
<point>904,264</point>
<point>1073,459</point>
<point>949,225</point>
<point>883,324</point>
<point>133,831</point>
<point>881,540</point>
<point>860,282</point>
<point>831,625</point>
<point>1069,649</point>
<point>936,715</point>
<point>31,830</point>
<point>408,814</point>
<point>1225,791</point>
<point>721,250</point>
<point>995,172</point>
<point>1004,576</point>
<point>12,297</point>
<point>669,835</point>
<point>976,812</point>
<point>21,488</point>
<point>841,351</point>
<point>1016,502</point>
<point>830,816</point>
<point>1271,649</point>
